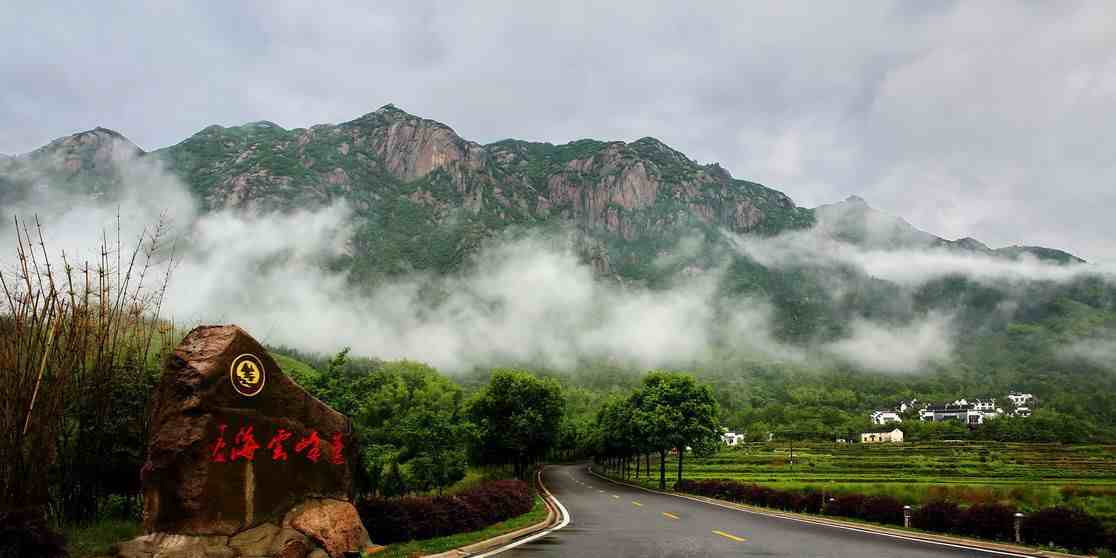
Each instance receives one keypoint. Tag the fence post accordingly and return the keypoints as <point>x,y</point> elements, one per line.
<point>907,517</point>
<point>1018,527</point>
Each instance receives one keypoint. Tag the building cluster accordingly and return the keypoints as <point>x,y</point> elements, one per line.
<point>966,411</point>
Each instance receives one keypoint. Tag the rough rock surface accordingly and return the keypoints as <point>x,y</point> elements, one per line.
<point>289,543</point>
<point>218,462</point>
<point>164,545</point>
<point>333,524</point>
<point>256,541</point>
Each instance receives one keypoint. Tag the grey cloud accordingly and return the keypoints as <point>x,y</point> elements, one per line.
<point>1098,351</point>
<point>985,119</point>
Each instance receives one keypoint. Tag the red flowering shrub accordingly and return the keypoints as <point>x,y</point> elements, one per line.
<point>846,505</point>
<point>882,509</point>
<point>988,521</point>
<point>940,516</point>
<point>422,517</point>
<point>1065,527</point>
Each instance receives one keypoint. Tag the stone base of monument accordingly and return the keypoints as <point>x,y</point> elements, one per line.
<point>318,528</point>
<point>242,462</point>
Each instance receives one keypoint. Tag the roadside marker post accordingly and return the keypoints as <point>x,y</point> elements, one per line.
<point>907,517</point>
<point>1018,528</point>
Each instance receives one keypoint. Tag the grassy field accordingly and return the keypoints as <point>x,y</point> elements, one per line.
<point>94,539</point>
<point>1028,476</point>
<point>442,544</point>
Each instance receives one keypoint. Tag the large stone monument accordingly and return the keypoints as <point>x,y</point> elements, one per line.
<point>241,461</point>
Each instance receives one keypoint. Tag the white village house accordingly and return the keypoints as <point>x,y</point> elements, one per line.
<point>882,435</point>
<point>885,417</point>
<point>732,438</point>
<point>1020,399</point>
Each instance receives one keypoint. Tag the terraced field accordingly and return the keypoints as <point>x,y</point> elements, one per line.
<point>1028,476</point>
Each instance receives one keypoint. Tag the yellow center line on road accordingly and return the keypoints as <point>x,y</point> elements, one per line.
<point>637,504</point>
<point>671,515</point>
<point>615,496</point>
<point>730,536</point>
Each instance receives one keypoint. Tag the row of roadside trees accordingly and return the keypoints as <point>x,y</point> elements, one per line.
<point>667,412</point>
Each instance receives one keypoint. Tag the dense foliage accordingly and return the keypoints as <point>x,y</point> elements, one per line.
<point>517,418</point>
<point>25,533</point>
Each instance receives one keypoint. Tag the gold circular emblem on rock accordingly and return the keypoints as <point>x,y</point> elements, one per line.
<point>247,375</point>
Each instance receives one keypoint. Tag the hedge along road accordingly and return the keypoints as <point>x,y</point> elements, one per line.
<point>618,521</point>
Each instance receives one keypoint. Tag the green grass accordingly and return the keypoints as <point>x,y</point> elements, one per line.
<point>1027,476</point>
<point>86,541</point>
<point>442,544</point>
<point>299,371</point>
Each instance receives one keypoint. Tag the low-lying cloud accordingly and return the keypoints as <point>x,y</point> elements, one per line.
<point>526,298</point>
<point>1097,351</point>
<point>909,267</point>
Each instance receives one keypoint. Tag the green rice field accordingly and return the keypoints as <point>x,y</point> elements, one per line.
<point>1027,476</point>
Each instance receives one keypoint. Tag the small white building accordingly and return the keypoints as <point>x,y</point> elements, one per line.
<point>732,438</point>
<point>885,417</point>
<point>1022,412</point>
<point>881,436</point>
<point>1020,399</point>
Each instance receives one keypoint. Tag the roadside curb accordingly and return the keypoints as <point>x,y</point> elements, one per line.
<point>991,547</point>
<point>556,518</point>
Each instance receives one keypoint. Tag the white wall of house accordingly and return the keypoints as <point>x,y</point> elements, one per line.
<point>895,436</point>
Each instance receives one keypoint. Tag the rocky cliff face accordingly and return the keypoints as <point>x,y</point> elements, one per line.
<point>425,197</point>
<point>612,186</point>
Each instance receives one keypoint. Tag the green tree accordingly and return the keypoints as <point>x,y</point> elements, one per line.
<point>517,417</point>
<point>433,448</point>
<point>672,410</point>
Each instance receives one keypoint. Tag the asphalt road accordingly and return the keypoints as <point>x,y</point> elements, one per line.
<point>617,521</point>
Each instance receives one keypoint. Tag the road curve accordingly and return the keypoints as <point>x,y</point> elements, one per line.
<point>619,521</point>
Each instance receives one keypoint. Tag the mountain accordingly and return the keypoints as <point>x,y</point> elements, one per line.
<point>424,197</point>
<point>854,221</point>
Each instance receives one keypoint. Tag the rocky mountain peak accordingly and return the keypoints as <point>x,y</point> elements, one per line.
<point>92,151</point>
<point>970,243</point>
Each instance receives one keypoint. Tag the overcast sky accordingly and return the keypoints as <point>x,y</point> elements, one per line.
<point>984,119</point>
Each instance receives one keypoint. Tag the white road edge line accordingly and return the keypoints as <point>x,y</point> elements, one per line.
<point>912,539</point>
<point>565,521</point>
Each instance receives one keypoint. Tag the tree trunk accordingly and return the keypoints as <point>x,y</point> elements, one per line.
<point>637,465</point>
<point>662,469</point>
<point>681,451</point>
<point>647,463</point>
